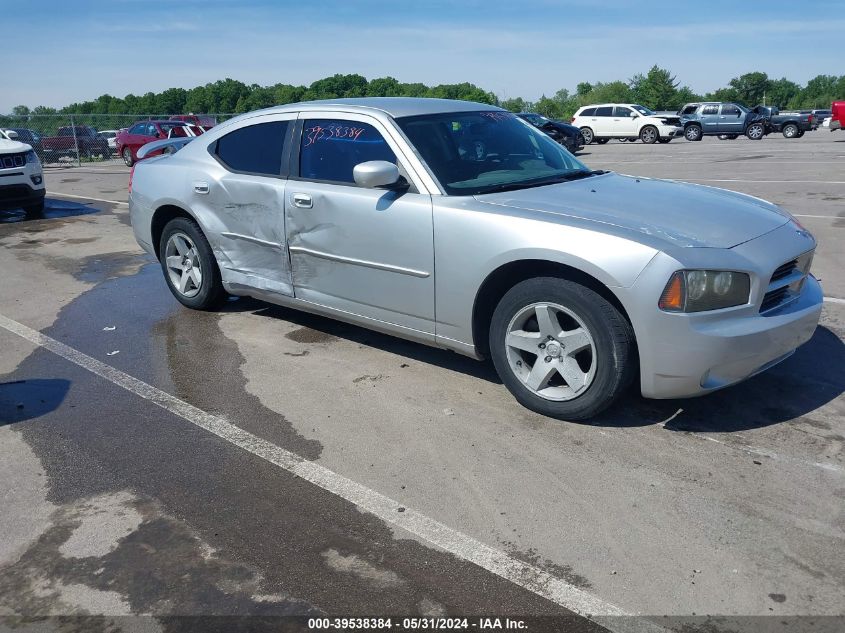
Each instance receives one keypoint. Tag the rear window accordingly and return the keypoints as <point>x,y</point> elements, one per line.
<point>255,149</point>
<point>690,109</point>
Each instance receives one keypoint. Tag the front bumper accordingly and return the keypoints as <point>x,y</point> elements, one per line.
<point>670,131</point>
<point>690,354</point>
<point>21,187</point>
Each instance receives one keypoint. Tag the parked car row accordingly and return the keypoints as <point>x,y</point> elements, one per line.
<point>129,141</point>
<point>21,176</point>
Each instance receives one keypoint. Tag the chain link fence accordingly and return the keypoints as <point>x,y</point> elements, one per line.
<point>78,139</point>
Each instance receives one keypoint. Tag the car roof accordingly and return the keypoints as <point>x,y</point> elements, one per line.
<point>396,107</point>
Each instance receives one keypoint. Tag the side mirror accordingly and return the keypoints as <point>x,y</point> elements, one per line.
<point>12,135</point>
<point>633,115</point>
<point>376,173</point>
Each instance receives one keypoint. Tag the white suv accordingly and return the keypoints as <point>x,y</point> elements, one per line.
<point>625,121</point>
<point>21,177</point>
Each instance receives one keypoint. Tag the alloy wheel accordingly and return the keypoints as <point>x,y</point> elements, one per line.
<point>183,264</point>
<point>551,351</point>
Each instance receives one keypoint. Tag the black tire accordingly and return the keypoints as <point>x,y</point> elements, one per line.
<point>127,157</point>
<point>587,133</point>
<point>755,131</point>
<point>602,141</point>
<point>34,210</point>
<point>790,130</point>
<point>613,338</point>
<point>692,132</point>
<point>800,134</point>
<point>664,139</point>
<point>211,292</point>
<point>649,135</point>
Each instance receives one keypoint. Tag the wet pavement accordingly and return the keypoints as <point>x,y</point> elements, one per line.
<point>730,504</point>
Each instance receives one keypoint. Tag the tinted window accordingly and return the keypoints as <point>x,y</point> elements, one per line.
<point>729,108</point>
<point>331,148</point>
<point>621,112</point>
<point>606,111</point>
<point>589,112</point>
<point>138,128</point>
<point>710,109</point>
<point>256,149</point>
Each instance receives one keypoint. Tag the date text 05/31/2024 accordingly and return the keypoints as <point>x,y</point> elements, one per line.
<point>416,624</point>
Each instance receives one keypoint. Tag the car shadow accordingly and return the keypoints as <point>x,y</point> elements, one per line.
<point>22,400</point>
<point>808,380</point>
<point>811,378</point>
<point>53,209</point>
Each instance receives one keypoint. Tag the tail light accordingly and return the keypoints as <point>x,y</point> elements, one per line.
<point>572,120</point>
<point>131,173</point>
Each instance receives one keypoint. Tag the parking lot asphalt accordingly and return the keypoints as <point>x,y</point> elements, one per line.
<point>730,504</point>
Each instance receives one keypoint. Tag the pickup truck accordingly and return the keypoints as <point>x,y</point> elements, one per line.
<point>69,138</point>
<point>790,124</point>
<point>837,116</point>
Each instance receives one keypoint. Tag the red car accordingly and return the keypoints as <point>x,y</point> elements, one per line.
<point>130,140</point>
<point>837,116</point>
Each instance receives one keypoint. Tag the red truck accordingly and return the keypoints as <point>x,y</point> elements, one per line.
<point>69,139</point>
<point>837,115</point>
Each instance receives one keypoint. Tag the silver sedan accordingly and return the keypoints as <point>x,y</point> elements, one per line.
<point>459,225</point>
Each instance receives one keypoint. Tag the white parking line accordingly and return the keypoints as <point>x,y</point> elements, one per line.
<point>834,300</point>
<point>457,543</point>
<point>70,195</point>
<point>823,217</point>
<point>817,182</point>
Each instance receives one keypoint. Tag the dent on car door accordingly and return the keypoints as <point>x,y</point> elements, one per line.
<point>364,251</point>
<point>243,196</point>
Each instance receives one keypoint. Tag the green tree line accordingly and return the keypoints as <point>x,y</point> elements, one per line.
<point>657,89</point>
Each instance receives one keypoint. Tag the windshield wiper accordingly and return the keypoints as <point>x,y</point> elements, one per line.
<point>513,186</point>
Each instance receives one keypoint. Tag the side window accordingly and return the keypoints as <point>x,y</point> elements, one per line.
<point>619,111</point>
<point>255,149</point>
<point>331,148</point>
<point>730,109</point>
<point>710,109</point>
<point>588,112</point>
<point>690,109</point>
<point>605,111</point>
<point>138,128</point>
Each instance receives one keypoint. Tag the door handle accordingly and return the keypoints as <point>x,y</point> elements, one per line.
<point>201,187</point>
<point>302,200</point>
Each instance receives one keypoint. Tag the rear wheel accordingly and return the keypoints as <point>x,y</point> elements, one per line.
<point>755,131</point>
<point>189,265</point>
<point>587,133</point>
<point>664,139</point>
<point>127,157</point>
<point>649,135</point>
<point>602,141</point>
<point>790,130</point>
<point>693,132</point>
<point>561,348</point>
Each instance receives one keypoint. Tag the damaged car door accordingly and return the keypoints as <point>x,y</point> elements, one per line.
<point>363,250</point>
<point>246,198</point>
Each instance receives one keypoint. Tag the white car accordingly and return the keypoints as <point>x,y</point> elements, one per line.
<point>111,137</point>
<point>21,176</point>
<point>605,121</point>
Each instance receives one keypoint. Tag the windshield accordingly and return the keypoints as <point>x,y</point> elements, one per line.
<point>643,110</point>
<point>480,152</point>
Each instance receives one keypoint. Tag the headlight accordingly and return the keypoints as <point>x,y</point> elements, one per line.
<point>32,157</point>
<point>699,290</point>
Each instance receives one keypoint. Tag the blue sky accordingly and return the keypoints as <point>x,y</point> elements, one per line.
<point>70,51</point>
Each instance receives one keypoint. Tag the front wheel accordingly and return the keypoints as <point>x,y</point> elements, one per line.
<point>755,131</point>
<point>693,132</point>
<point>561,348</point>
<point>587,133</point>
<point>189,265</point>
<point>790,130</point>
<point>649,135</point>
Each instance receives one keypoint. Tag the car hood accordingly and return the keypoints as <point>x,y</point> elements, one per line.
<point>7,146</point>
<point>682,213</point>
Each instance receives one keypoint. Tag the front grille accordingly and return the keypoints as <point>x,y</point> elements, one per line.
<point>774,298</point>
<point>785,270</point>
<point>14,192</point>
<point>10,161</point>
